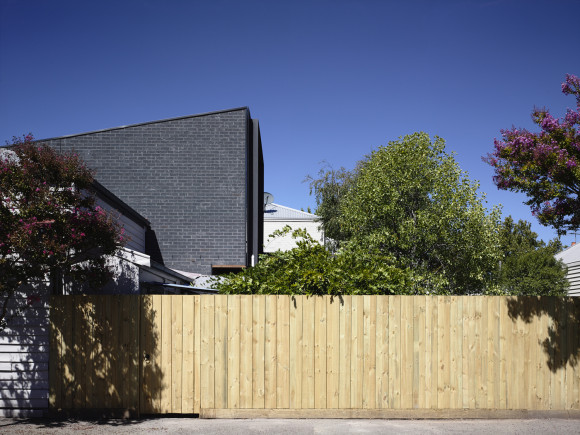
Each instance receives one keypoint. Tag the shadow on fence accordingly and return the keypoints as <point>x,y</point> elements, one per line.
<point>111,352</point>
<point>96,354</point>
<point>561,346</point>
<point>24,351</point>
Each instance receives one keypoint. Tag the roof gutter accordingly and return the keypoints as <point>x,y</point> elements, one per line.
<point>193,290</point>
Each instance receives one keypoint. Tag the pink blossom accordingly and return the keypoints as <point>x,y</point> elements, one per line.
<point>549,123</point>
<point>572,118</point>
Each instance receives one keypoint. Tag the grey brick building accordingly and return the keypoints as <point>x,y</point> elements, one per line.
<point>198,179</point>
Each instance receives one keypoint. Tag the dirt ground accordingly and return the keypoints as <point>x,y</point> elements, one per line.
<point>291,427</point>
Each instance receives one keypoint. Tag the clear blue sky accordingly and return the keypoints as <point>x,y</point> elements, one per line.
<point>328,80</point>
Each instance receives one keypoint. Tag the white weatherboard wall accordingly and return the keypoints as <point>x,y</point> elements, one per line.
<point>24,358</point>
<point>573,276</point>
<point>278,216</point>
<point>133,230</point>
<point>286,242</point>
<point>571,258</point>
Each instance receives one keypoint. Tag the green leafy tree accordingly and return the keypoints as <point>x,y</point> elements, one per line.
<point>329,190</point>
<point>49,222</point>
<point>411,201</point>
<point>529,266</point>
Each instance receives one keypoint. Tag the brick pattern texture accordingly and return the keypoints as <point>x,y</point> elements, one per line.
<point>186,176</point>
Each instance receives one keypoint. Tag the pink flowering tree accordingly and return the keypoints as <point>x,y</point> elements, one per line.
<point>545,165</point>
<point>50,226</point>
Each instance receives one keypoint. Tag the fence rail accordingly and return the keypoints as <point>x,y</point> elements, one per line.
<point>181,354</point>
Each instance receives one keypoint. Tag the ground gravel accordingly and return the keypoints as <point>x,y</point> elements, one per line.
<point>290,426</point>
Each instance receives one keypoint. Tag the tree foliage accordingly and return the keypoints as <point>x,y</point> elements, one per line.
<point>329,190</point>
<point>49,223</point>
<point>545,165</point>
<point>310,269</point>
<point>411,200</point>
<point>408,221</point>
<point>529,266</point>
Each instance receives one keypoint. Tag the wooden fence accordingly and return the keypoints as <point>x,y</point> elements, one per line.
<point>184,354</point>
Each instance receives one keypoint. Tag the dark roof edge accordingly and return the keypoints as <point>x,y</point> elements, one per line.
<point>145,123</point>
<point>161,267</point>
<point>108,196</point>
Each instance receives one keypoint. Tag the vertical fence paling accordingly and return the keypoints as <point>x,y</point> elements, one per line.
<point>179,354</point>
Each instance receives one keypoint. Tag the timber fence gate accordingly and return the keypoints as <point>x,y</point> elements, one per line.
<point>186,354</point>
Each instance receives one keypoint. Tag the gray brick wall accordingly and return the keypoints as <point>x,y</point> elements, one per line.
<point>186,176</point>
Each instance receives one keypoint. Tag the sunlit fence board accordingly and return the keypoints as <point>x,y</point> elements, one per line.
<point>188,355</point>
<point>270,355</point>
<point>181,354</point>
<point>283,352</point>
<point>246,308</point>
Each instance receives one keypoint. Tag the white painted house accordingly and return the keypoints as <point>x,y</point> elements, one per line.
<point>277,216</point>
<point>571,258</point>
<point>24,357</point>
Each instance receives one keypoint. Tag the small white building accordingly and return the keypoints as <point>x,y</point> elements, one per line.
<point>571,258</point>
<point>278,216</point>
